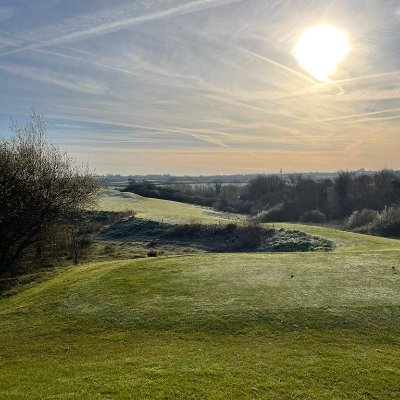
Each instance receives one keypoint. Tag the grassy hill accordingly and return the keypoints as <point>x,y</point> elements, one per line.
<point>211,326</point>
<point>157,209</point>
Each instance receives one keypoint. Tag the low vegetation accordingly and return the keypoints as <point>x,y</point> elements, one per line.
<point>383,223</point>
<point>202,237</point>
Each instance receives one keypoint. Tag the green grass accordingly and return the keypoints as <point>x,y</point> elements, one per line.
<point>157,209</point>
<point>347,241</point>
<point>211,326</point>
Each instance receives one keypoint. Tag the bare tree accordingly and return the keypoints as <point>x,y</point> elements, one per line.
<point>39,186</point>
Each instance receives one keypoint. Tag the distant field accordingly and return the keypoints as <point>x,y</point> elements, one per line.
<point>211,326</point>
<point>112,200</point>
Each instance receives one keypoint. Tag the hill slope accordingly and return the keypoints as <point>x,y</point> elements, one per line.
<point>157,209</point>
<point>223,326</point>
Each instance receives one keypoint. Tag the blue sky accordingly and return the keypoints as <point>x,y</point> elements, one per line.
<point>203,86</point>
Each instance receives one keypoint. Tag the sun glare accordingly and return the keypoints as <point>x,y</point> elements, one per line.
<point>320,49</point>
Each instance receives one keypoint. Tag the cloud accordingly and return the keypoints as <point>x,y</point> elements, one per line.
<point>216,79</point>
<point>65,81</point>
<point>6,13</point>
<point>107,21</point>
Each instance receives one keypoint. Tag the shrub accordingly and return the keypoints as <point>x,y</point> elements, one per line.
<point>230,227</point>
<point>313,216</point>
<point>249,237</point>
<point>197,229</point>
<point>387,222</point>
<point>109,248</point>
<point>190,229</point>
<point>103,218</point>
<point>360,218</point>
<point>241,206</point>
<point>283,212</point>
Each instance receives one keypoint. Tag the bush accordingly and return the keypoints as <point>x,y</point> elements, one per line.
<point>387,222</point>
<point>230,227</point>
<point>360,218</point>
<point>190,229</point>
<point>284,212</point>
<point>152,253</point>
<point>241,206</point>
<point>313,216</point>
<point>249,237</point>
<point>103,218</point>
<point>196,229</point>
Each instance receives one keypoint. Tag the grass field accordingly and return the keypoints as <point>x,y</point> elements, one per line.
<point>347,241</point>
<point>211,326</point>
<point>112,200</point>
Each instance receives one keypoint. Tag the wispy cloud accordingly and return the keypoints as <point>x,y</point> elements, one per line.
<point>214,79</point>
<point>108,21</point>
<point>65,81</point>
<point>6,13</point>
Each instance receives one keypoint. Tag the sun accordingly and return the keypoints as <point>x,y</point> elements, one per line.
<point>320,49</point>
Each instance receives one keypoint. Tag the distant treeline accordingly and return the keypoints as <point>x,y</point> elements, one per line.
<point>118,179</point>
<point>276,198</point>
<point>199,194</point>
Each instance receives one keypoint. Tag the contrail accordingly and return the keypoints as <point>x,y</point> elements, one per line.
<point>198,134</point>
<point>99,24</point>
<point>201,92</point>
<point>351,116</point>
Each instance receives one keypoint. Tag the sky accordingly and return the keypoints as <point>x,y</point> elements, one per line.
<point>203,86</point>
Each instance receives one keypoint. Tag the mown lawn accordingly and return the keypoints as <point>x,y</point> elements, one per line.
<point>209,326</point>
<point>156,209</point>
<point>346,241</point>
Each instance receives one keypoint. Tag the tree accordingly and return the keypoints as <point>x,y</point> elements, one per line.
<point>81,235</point>
<point>39,186</point>
<point>342,186</point>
